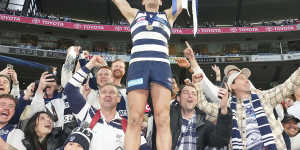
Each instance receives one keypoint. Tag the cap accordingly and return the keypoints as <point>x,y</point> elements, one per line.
<point>229,68</point>
<point>295,115</point>
<point>232,77</point>
<point>289,117</point>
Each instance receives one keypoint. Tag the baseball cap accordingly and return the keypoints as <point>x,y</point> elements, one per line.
<point>295,115</point>
<point>289,117</point>
<point>232,77</point>
<point>229,68</point>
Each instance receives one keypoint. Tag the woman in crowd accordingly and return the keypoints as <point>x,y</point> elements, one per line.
<point>38,133</point>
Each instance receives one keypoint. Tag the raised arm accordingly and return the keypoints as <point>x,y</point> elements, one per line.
<point>23,101</point>
<point>15,91</point>
<point>68,66</point>
<point>209,89</point>
<point>275,95</point>
<point>172,17</point>
<point>127,11</point>
<point>220,134</point>
<point>38,102</point>
<point>211,109</point>
<point>77,101</point>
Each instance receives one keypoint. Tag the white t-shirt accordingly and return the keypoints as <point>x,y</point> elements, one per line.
<point>15,138</point>
<point>295,142</point>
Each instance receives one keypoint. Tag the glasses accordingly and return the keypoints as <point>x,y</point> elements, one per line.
<point>5,105</point>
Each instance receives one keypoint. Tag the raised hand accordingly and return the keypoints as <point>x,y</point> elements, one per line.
<point>73,50</point>
<point>29,91</point>
<point>197,77</point>
<point>4,71</point>
<point>86,89</point>
<point>188,52</point>
<point>216,69</point>
<point>45,81</point>
<point>182,62</point>
<point>223,94</point>
<point>13,75</point>
<point>96,61</point>
<point>85,54</point>
<point>187,81</point>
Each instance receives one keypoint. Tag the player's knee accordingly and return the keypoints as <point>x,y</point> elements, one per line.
<point>162,119</point>
<point>135,120</point>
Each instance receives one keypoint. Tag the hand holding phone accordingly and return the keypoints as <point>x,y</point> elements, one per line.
<point>10,66</point>
<point>223,85</point>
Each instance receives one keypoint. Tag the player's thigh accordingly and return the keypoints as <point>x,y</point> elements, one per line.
<point>137,102</point>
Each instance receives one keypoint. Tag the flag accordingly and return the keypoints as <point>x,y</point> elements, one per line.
<point>195,16</point>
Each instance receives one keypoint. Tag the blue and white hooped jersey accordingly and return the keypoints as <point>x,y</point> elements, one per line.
<point>150,45</point>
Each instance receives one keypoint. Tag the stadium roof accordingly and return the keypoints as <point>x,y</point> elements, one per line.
<point>220,11</point>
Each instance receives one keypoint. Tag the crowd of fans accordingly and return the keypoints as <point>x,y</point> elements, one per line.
<point>89,109</point>
<point>244,23</point>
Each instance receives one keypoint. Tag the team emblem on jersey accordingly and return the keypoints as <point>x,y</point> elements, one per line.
<point>119,148</point>
<point>140,19</point>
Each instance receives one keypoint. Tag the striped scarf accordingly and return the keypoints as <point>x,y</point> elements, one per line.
<point>262,121</point>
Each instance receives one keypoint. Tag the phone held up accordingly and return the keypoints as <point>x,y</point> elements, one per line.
<point>10,66</point>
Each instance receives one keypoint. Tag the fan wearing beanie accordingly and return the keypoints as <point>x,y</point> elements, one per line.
<point>79,139</point>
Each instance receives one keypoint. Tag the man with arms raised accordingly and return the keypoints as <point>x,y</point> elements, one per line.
<point>149,69</point>
<point>254,124</point>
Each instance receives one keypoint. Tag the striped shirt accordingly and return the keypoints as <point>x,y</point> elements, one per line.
<point>150,44</point>
<point>269,99</point>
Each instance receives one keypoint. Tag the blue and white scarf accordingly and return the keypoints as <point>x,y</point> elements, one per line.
<point>5,131</point>
<point>262,121</point>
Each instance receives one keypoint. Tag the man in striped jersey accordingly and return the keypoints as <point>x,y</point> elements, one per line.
<point>149,68</point>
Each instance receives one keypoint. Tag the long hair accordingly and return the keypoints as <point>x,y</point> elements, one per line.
<point>31,140</point>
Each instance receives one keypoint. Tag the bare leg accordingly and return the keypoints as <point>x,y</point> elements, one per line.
<point>137,103</point>
<point>161,98</point>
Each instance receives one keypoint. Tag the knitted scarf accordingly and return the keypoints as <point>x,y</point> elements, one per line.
<point>262,121</point>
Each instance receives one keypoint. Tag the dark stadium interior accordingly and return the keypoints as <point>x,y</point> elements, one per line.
<point>222,12</point>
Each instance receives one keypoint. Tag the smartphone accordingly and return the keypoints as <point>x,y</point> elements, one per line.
<point>10,66</point>
<point>51,72</point>
<point>224,81</point>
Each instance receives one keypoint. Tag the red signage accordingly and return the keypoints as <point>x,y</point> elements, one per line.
<point>119,28</point>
